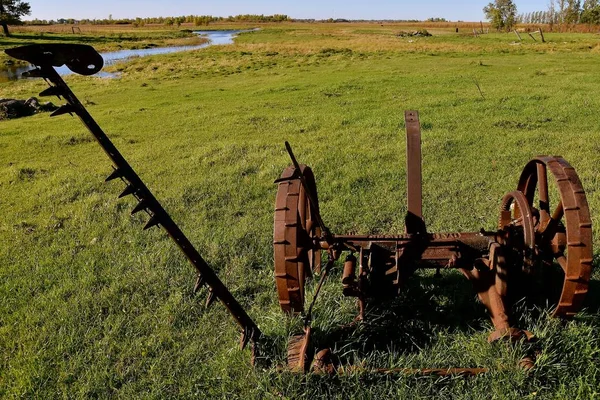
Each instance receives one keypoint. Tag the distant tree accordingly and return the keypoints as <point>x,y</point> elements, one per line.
<point>138,22</point>
<point>590,13</point>
<point>11,12</point>
<point>552,17</point>
<point>502,14</point>
<point>539,17</point>
<point>572,11</point>
<point>562,10</point>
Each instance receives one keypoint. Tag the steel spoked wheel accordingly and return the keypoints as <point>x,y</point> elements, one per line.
<point>516,219</point>
<point>563,232</point>
<point>518,246</point>
<point>296,254</point>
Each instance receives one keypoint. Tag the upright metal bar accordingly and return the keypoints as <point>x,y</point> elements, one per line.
<point>544,205</point>
<point>413,168</point>
<point>149,203</point>
<point>311,196</point>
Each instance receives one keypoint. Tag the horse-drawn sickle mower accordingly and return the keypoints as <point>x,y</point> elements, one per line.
<point>538,248</point>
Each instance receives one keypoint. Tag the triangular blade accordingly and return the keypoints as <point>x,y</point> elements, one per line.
<point>245,339</point>
<point>52,91</point>
<point>66,109</point>
<point>34,73</point>
<point>199,283</point>
<point>141,206</point>
<point>128,190</point>
<point>153,222</point>
<point>117,173</point>
<point>212,296</point>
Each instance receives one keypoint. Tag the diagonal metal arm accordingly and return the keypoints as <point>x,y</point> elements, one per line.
<point>147,202</point>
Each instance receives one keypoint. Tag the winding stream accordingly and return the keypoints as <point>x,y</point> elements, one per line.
<point>10,73</point>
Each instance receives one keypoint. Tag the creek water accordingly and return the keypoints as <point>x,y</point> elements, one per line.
<point>11,73</point>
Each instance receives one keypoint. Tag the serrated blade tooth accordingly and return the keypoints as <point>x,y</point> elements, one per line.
<point>199,283</point>
<point>141,206</point>
<point>152,222</point>
<point>128,190</point>
<point>34,73</point>
<point>212,296</point>
<point>245,339</point>
<point>117,173</point>
<point>66,109</point>
<point>52,91</point>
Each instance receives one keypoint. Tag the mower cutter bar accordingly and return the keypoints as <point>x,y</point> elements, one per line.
<point>46,57</point>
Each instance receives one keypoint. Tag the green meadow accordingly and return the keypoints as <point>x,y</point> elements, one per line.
<point>91,306</point>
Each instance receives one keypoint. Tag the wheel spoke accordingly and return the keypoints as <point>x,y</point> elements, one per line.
<point>559,212</point>
<point>542,178</point>
<point>549,230</point>
<point>561,259</point>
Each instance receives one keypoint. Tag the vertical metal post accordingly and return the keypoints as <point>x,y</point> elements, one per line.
<point>413,164</point>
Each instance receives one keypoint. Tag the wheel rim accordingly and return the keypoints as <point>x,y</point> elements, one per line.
<point>563,232</point>
<point>514,259</point>
<point>515,211</point>
<point>295,231</point>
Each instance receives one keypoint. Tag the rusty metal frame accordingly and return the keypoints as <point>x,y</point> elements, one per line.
<point>494,261</point>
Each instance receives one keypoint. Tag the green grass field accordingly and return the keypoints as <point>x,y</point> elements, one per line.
<point>93,307</point>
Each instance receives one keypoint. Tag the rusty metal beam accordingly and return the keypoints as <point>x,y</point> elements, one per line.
<point>414,218</point>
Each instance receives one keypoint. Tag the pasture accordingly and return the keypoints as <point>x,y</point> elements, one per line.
<point>94,307</point>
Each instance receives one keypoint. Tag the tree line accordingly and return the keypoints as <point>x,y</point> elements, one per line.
<point>197,20</point>
<point>502,14</point>
<point>569,12</point>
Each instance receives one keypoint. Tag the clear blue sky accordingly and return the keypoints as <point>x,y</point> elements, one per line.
<point>467,10</point>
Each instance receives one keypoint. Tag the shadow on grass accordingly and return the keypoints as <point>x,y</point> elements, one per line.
<point>592,300</point>
<point>426,306</point>
<point>408,323</point>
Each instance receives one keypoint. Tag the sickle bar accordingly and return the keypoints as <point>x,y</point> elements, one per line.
<point>76,57</point>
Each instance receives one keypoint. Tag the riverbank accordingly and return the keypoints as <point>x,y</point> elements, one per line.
<point>102,38</point>
<point>207,38</point>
